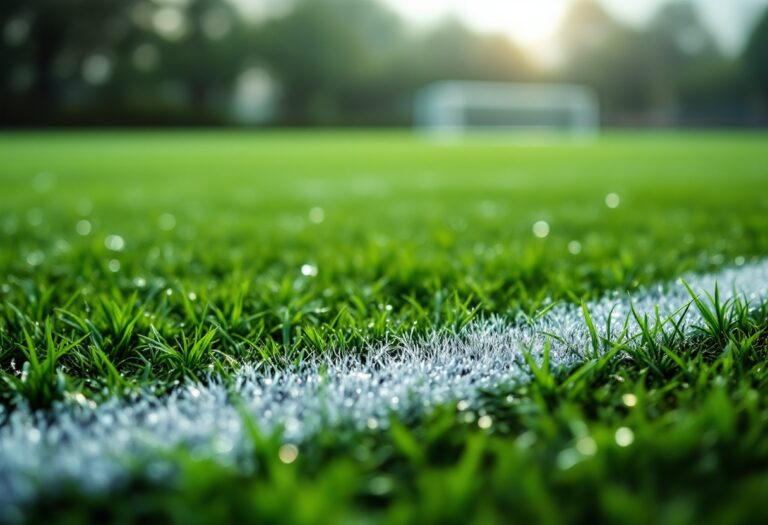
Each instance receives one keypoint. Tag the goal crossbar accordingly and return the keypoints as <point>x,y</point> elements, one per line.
<point>458,107</point>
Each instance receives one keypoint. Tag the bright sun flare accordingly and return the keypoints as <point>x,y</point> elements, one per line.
<point>528,22</point>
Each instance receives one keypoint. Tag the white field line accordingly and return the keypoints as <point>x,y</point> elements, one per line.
<point>98,447</point>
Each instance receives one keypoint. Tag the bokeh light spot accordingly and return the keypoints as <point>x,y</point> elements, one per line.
<point>288,453</point>
<point>541,229</point>
<point>624,437</point>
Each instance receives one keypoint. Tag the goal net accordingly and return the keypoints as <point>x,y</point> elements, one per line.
<point>461,107</point>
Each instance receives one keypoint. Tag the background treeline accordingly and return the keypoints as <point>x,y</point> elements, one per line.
<point>346,62</point>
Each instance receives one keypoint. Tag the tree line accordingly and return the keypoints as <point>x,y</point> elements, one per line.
<point>347,63</point>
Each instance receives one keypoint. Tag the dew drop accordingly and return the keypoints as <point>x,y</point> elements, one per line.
<point>288,453</point>
<point>485,422</point>
<point>541,229</point>
<point>624,436</point>
<point>83,227</point>
<point>629,400</point>
<point>309,270</point>
<point>316,215</point>
<point>167,222</point>
<point>35,258</point>
<point>612,200</point>
<point>586,446</point>
<point>114,243</point>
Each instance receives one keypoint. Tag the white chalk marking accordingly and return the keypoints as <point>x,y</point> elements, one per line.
<point>99,447</point>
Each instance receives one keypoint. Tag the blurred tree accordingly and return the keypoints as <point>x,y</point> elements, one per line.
<point>331,58</point>
<point>677,41</point>
<point>451,51</point>
<point>203,51</point>
<point>756,57</point>
<point>349,62</point>
<point>117,61</point>
<point>695,83</point>
<point>670,72</point>
<point>353,61</point>
<point>598,51</point>
<point>586,27</point>
<point>50,43</point>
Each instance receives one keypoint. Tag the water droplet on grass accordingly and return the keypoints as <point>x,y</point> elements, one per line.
<point>574,247</point>
<point>114,243</point>
<point>83,227</point>
<point>380,486</point>
<point>586,446</point>
<point>288,453</point>
<point>316,215</point>
<point>223,445</point>
<point>309,270</point>
<point>167,222</point>
<point>629,400</point>
<point>568,458</point>
<point>34,435</point>
<point>541,229</point>
<point>35,258</point>
<point>612,200</point>
<point>624,436</point>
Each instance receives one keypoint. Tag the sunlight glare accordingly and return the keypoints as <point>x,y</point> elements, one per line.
<point>525,21</point>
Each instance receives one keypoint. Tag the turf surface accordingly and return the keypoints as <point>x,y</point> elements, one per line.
<point>138,260</point>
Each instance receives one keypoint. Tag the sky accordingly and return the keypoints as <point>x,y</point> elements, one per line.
<point>531,22</point>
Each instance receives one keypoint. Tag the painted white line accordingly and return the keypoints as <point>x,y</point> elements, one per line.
<point>98,447</point>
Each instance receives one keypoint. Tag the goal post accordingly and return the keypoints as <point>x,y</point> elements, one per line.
<point>455,108</point>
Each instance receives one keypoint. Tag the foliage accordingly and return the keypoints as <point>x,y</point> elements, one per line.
<point>342,62</point>
<point>756,56</point>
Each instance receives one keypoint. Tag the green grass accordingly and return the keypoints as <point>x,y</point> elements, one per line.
<point>645,438</point>
<point>414,236</point>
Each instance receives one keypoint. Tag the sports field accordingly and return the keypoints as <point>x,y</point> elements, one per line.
<point>354,327</point>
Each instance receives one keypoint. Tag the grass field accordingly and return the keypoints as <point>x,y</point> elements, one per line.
<point>140,263</point>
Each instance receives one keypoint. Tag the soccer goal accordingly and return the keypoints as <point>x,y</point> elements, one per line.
<point>457,108</point>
